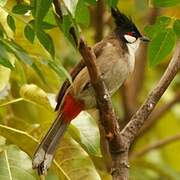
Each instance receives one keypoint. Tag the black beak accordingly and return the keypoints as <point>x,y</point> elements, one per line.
<point>144,39</point>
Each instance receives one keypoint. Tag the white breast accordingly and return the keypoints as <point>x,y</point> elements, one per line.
<point>115,68</point>
<point>132,47</point>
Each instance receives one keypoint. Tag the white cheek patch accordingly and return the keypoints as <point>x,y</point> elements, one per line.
<point>129,38</point>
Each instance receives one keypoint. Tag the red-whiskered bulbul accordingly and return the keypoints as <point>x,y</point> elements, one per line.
<point>115,56</point>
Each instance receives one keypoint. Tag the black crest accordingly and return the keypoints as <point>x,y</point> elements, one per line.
<point>123,23</point>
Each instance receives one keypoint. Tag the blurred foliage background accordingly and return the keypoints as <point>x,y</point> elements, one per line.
<point>36,53</point>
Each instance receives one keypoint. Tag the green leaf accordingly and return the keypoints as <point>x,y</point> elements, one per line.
<point>165,3</point>
<point>161,23</point>
<point>20,54</point>
<point>82,13</point>
<point>65,26</point>
<point>177,27</point>
<point>86,132</point>
<point>39,72</point>
<point>35,95</point>
<point>50,18</point>
<point>2,31</point>
<point>75,161</point>
<point>160,46</point>
<point>60,70</point>
<point>20,138</point>
<point>4,58</point>
<point>29,33</point>
<point>11,23</point>
<point>12,47</point>
<point>24,57</point>
<point>21,8</point>
<point>40,10</point>
<point>4,72</point>
<point>45,25</point>
<point>47,42</point>
<point>6,63</point>
<point>15,164</point>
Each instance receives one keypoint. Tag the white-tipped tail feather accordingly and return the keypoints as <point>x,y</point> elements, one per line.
<point>46,150</point>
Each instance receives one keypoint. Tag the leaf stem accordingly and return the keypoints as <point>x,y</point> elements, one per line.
<point>11,102</point>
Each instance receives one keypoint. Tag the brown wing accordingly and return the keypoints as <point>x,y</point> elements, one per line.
<point>97,50</point>
<point>66,83</point>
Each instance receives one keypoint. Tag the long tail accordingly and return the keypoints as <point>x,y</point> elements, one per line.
<point>46,150</point>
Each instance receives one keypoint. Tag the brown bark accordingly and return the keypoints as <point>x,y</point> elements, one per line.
<point>132,128</point>
<point>107,115</point>
<point>99,20</point>
<point>120,141</point>
<point>158,113</point>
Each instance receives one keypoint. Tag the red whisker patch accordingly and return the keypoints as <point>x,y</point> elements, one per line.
<point>130,33</point>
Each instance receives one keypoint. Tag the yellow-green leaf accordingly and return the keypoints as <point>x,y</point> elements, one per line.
<point>15,164</point>
<point>28,144</point>
<point>160,46</point>
<point>165,3</point>
<point>75,161</point>
<point>36,95</point>
<point>4,80</point>
<point>86,132</point>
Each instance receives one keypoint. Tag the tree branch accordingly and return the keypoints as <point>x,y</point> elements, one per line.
<point>119,142</point>
<point>107,115</point>
<point>156,145</point>
<point>103,99</point>
<point>158,113</point>
<point>132,88</point>
<point>138,76</point>
<point>99,20</point>
<point>132,128</point>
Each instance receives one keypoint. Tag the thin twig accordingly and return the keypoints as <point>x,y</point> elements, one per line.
<point>119,142</point>
<point>132,128</point>
<point>156,145</point>
<point>99,20</point>
<point>158,113</point>
<point>107,114</point>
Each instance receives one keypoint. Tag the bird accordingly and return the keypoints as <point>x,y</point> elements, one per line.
<point>115,58</point>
